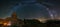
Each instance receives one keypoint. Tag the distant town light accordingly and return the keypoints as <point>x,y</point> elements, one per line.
<point>5,24</point>
<point>43,20</point>
<point>9,24</point>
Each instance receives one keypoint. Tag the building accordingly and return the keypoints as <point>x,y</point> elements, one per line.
<point>14,20</point>
<point>11,21</point>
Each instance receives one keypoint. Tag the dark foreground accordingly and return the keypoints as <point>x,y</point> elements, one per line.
<point>36,23</point>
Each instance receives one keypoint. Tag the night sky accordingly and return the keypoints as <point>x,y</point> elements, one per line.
<point>29,8</point>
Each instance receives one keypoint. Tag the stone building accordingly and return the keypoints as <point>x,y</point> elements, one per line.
<point>14,20</point>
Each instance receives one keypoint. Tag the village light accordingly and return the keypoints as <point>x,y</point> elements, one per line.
<point>7,24</point>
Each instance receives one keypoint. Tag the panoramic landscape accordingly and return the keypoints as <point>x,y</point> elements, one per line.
<point>29,13</point>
